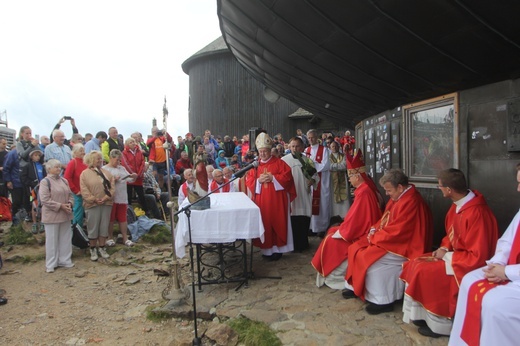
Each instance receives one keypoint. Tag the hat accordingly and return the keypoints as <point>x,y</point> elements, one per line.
<point>263,141</point>
<point>35,150</point>
<point>356,163</point>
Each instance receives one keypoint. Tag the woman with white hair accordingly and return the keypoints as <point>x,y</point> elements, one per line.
<point>57,201</point>
<point>97,190</point>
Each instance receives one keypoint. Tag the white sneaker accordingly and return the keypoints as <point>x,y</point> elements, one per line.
<point>93,254</point>
<point>103,252</point>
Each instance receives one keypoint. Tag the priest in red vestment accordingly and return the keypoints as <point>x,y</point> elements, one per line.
<point>272,186</point>
<point>488,302</point>
<point>220,182</point>
<point>330,260</point>
<point>432,280</point>
<point>404,232</point>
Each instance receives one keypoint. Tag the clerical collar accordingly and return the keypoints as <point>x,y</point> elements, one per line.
<point>262,161</point>
<point>408,188</point>
<point>460,203</point>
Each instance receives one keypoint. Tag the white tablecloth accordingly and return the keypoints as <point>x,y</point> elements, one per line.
<point>232,216</point>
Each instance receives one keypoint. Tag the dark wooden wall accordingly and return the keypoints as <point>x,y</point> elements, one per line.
<point>226,99</point>
<point>486,143</point>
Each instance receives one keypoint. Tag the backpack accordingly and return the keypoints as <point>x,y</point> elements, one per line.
<point>79,237</point>
<point>5,209</point>
<point>130,215</point>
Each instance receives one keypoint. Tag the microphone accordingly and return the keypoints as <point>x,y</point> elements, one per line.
<point>243,171</point>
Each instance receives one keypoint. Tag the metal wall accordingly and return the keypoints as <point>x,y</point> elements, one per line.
<point>226,99</point>
<point>488,150</point>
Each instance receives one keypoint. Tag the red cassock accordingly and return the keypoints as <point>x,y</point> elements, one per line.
<point>472,236</point>
<point>363,213</point>
<point>405,229</point>
<point>274,205</point>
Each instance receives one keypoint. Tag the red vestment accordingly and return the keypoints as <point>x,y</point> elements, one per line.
<point>214,185</point>
<point>472,236</point>
<point>363,213</point>
<point>405,229</point>
<point>274,205</point>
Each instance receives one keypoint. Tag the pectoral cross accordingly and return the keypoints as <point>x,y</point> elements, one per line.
<point>266,172</point>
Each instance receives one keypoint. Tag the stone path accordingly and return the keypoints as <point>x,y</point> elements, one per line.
<point>303,314</point>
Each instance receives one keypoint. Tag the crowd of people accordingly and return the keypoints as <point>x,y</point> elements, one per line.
<point>375,252</point>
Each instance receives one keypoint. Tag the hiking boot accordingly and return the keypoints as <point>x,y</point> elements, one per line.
<point>34,228</point>
<point>42,228</point>
<point>103,252</point>
<point>93,254</point>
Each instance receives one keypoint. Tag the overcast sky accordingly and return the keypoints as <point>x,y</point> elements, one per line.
<point>105,63</point>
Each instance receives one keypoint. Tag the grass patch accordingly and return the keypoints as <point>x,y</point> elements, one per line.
<point>29,259</point>
<point>159,234</point>
<point>156,316</point>
<point>253,332</point>
<point>17,236</point>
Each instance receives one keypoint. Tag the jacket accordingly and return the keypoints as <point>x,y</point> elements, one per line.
<point>55,191</point>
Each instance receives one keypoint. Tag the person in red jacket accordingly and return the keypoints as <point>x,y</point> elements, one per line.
<point>158,153</point>
<point>183,163</point>
<point>75,167</point>
<point>133,160</point>
<point>433,279</point>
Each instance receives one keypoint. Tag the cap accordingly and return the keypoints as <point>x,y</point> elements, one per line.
<point>35,150</point>
<point>355,163</point>
<point>263,141</point>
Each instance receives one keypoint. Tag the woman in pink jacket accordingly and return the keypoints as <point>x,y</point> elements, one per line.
<point>57,201</point>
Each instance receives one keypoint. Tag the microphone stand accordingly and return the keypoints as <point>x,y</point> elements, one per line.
<point>187,210</point>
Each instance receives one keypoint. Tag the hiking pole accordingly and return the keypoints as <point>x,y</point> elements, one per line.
<point>176,294</point>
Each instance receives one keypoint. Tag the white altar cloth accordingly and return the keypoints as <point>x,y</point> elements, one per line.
<point>232,216</point>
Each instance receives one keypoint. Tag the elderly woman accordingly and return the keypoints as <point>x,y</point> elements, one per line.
<point>97,189</point>
<point>57,200</point>
<point>121,177</point>
<point>133,161</point>
<point>75,167</point>
<point>338,181</point>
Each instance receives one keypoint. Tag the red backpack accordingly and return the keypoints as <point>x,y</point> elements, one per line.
<point>5,209</point>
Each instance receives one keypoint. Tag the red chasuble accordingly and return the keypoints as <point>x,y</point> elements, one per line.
<point>274,205</point>
<point>214,185</point>
<point>405,229</point>
<point>363,213</point>
<point>472,235</point>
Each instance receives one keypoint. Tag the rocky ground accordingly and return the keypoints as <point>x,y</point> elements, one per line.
<point>105,302</point>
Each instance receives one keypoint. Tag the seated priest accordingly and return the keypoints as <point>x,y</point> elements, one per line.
<point>432,280</point>
<point>489,297</point>
<point>330,260</point>
<point>404,232</point>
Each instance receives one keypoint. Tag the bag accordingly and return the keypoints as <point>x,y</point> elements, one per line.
<point>79,237</point>
<point>130,215</point>
<point>5,209</point>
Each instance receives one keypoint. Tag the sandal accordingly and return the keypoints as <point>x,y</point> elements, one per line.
<point>110,243</point>
<point>129,243</point>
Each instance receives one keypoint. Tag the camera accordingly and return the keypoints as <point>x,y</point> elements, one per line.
<point>160,133</point>
<point>67,117</point>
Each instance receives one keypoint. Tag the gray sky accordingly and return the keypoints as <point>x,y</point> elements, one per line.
<point>105,63</point>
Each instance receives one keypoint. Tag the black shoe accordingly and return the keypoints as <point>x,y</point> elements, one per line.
<point>348,294</point>
<point>3,301</point>
<point>276,256</point>
<point>419,323</point>
<point>376,309</point>
<point>321,234</point>
<point>426,331</point>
